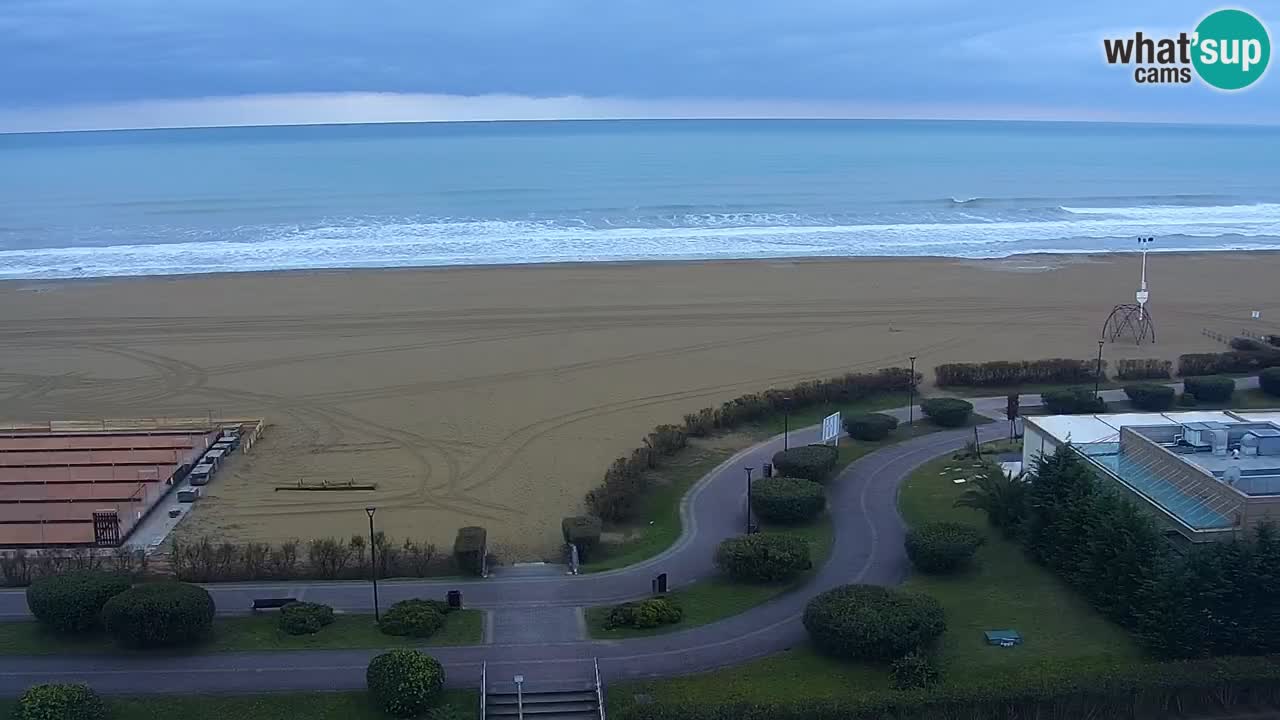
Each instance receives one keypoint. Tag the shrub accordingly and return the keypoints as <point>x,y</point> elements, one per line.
<point>1247,344</point>
<point>60,701</point>
<point>644,614</point>
<point>869,622</point>
<point>159,614</point>
<point>1150,396</point>
<point>305,618</point>
<point>947,412</point>
<point>412,618</point>
<point>1002,373</point>
<point>404,683</point>
<point>1269,381</point>
<point>942,547</point>
<point>810,462</point>
<point>469,548</point>
<point>1072,401</point>
<point>763,557</point>
<point>1144,369</point>
<point>787,500</point>
<point>1210,389</point>
<point>914,671</point>
<point>1199,364</point>
<point>871,426</point>
<point>1186,400</point>
<point>72,602</point>
<point>583,531</point>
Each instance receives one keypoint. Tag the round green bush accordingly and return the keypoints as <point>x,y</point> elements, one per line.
<point>412,618</point>
<point>1151,396</point>
<point>1213,388</point>
<point>1072,401</point>
<point>72,602</point>
<point>871,426</point>
<point>305,618</point>
<point>787,500</point>
<point>869,622</point>
<point>1269,381</point>
<point>947,412</point>
<point>810,462</point>
<point>644,614</point>
<point>404,683</point>
<point>159,614</point>
<point>60,701</point>
<point>914,671</point>
<point>943,547</point>
<point>763,557</point>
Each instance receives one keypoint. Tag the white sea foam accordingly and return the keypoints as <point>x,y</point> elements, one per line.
<point>398,242</point>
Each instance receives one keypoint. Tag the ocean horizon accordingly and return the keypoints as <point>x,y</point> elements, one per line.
<point>182,201</point>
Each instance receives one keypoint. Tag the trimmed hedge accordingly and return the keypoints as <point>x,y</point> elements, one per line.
<point>947,412</point>
<point>1200,364</point>
<point>1144,369</point>
<point>627,479</point>
<point>1136,690</point>
<point>810,462</point>
<point>583,531</point>
<point>1072,401</point>
<point>644,614</point>
<point>404,683</point>
<point>1150,396</point>
<point>870,426</point>
<point>870,622</point>
<point>787,500</point>
<point>159,614</point>
<point>1210,389</point>
<point>305,618</point>
<point>469,548</point>
<point>60,701</point>
<point>763,557</point>
<point>1003,373</point>
<point>1269,381</point>
<point>943,547</point>
<point>72,602</point>
<point>412,618</point>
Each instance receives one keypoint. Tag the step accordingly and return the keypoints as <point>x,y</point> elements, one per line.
<point>542,709</point>
<point>493,698</point>
<point>589,715</point>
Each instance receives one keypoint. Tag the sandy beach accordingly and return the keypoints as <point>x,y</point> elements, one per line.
<point>497,396</point>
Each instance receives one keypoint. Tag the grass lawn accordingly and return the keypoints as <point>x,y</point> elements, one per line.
<point>1004,590</point>
<point>275,706</point>
<point>254,632</point>
<point>718,598</point>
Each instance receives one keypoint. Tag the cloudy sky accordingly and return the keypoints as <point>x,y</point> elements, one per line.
<point>147,63</point>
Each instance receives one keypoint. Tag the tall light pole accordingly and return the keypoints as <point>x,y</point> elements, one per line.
<point>373,563</point>
<point>786,421</point>
<point>749,469</point>
<point>911,394</point>
<point>1097,375</point>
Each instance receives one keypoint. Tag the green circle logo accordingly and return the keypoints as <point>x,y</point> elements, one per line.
<point>1232,49</point>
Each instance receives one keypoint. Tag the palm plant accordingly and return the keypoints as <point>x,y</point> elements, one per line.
<point>999,495</point>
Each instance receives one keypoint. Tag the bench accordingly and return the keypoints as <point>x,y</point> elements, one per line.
<point>271,603</point>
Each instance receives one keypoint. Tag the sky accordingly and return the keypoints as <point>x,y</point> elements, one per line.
<point>81,64</point>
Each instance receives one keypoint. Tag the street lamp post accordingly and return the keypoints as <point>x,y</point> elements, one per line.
<point>749,469</point>
<point>373,563</point>
<point>786,421</point>
<point>911,394</point>
<point>1097,375</point>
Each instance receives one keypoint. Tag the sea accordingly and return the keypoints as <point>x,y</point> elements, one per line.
<point>160,202</point>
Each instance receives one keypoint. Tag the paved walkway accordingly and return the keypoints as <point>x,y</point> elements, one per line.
<point>535,626</point>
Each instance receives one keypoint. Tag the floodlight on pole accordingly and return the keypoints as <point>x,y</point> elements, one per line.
<point>749,469</point>
<point>1143,294</point>
<point>911,394</point>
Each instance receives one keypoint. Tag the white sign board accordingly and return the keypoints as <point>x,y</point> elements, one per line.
<point>1257,314</point>
<point>831,429</point>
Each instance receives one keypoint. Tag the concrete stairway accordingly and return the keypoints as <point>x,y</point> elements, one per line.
<point>562,701</point>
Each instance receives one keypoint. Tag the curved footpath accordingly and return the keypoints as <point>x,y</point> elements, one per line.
<point>867,548</point>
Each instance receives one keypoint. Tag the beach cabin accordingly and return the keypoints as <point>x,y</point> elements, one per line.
<point>214,457</point>
<point>188,496</point>
<point>200,474</point>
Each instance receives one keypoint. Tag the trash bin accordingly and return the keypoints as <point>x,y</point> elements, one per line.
<point>768,469</point>
<point>454,598</point>
<point>660,584</point>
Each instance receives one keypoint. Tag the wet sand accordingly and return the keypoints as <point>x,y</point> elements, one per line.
<point>497,396</point>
